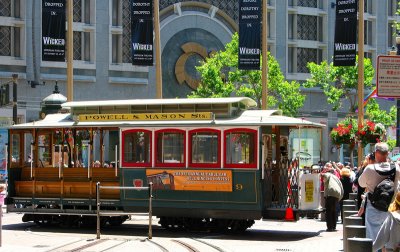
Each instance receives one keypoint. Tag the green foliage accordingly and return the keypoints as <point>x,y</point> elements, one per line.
<point>375,114</point>
<point>339,83</point>
<point>220,77</point>
<point>391,143</point>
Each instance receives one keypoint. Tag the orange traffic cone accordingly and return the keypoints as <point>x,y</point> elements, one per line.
<point>289,216</point>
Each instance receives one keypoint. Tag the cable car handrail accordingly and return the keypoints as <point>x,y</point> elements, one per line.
<point>98,203</point>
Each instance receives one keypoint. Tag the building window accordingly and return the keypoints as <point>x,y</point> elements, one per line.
<point>320,31</point>
<point>10,36</point>
<point>5,41</point>
<point>82,11</point>
<point>391,35</point>
<point>77,45</point>
<point>170,150</point>
<point>307,27</point>
<point>368,8</point>
<point>305,55</point>
<point>368,29</point>
<point>82,47</point>
<point>10,41</point>
<point>269,24</point>
<point>368,55</point>
<point>308,3</point>
<point>116,48</point>
<point>136,148</point>
<point>116,13</point>
<point>392,7</point>
<point>291,26</point>
<point>241,148</point>
<point>126,32</point>
<point>291,59</point>
<point>5,8</point>
<point>10,8</point>
<point>204,148</point>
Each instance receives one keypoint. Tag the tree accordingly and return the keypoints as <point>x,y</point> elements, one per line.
<point>339,83</point>
<point>377,115</point>
<point>220,77</point>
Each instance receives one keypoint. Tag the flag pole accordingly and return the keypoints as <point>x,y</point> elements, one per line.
<point>264,40</point>
<point>157,49</point>
<point>70,53</point>
<point>360,74</point>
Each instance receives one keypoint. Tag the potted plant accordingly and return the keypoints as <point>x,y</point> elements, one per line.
<point>371,132</point>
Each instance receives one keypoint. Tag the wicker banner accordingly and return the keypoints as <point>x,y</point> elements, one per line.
<point>345,33</point>
<point>53,30</point>
<point>249,34</point>
<point>142,32</point>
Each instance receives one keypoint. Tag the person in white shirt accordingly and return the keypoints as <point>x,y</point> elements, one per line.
<point>369,179</point>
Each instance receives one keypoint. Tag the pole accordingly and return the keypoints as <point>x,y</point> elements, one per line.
<point>264,56</point>
<point>398,100</point>
<point>150,210</point>
<point>98,210</point>
<point>158,49</point>
<point>15,98</point>
<point>70,53</point>
<point>360,73</point>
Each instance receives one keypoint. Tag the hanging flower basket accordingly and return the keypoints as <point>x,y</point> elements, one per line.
<point>344,133</point>
<point>371,132</point>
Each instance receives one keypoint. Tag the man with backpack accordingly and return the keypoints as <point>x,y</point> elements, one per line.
<point>380,181</point>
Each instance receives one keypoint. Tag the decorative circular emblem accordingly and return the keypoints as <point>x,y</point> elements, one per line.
<point>191,51</point>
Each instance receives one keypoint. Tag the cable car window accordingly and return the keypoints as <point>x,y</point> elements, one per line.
<point>136,148</point>
<point>15,140</point>
<point>170,148</point>
<point>205,148</point>
<point>44,150</point>
<point>240,149</point>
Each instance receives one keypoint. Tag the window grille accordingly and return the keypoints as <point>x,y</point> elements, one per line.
<point>5,8</point>
<point>305,55</point>
<point>5,41</point>
<point>307,27</point>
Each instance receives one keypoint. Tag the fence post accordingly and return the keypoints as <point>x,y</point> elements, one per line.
<point>150,209</point>
<point>98,209</point>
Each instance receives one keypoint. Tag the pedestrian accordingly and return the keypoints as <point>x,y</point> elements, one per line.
<point>2,197</point>
<point>360,190</point>
<point>369,179</point>
<point>345,178</point>
<point>389,233</point>
<point>333,193</point>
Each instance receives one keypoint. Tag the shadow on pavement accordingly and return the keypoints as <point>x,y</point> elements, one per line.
<point>142,230</point>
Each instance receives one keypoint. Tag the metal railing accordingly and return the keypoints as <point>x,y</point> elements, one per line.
<point>98,203</point>
<point>281,184</point>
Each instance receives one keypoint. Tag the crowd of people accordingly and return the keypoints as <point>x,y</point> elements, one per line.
<point>376,184</point>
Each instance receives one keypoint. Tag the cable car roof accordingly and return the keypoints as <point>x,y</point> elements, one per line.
<point>248,102</point>
<point>246,118</point>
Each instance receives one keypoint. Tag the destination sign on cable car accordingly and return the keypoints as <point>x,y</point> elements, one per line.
<point>145,117</point>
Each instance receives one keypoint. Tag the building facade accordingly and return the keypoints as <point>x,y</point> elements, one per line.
<point>299,31</point>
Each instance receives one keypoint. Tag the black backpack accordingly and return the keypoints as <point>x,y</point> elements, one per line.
<point>384,191</point>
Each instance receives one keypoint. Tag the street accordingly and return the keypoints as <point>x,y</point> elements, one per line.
<point>304,235</point>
